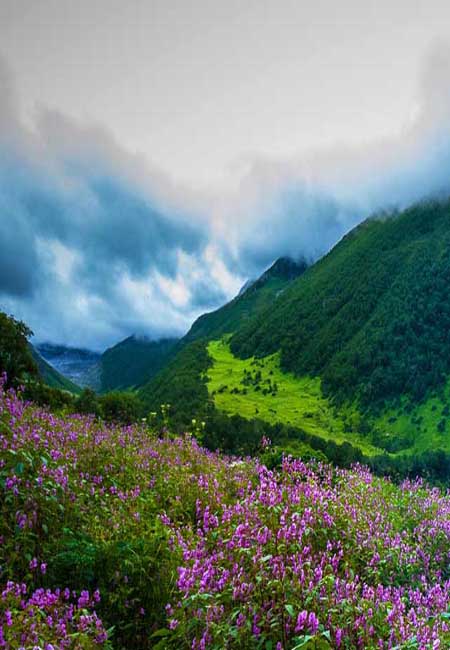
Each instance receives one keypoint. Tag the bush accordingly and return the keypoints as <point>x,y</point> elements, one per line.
<point>189,549</point>
<point>15,355</point>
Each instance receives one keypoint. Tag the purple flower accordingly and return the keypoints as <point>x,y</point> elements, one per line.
<point>302,619</point>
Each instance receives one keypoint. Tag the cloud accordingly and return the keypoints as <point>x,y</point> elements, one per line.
<point>302,206</point>
<point>96,244</point>
<point>78,217</point>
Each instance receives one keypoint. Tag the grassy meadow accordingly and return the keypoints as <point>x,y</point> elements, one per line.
<point>275,396</point>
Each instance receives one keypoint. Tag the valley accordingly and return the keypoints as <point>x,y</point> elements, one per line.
<point>78,365</point>
<point>302,427</point>
<point>224,325</point>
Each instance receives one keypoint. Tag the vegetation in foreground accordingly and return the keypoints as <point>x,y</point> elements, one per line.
<point>125,537</point>
<point>185,381</point>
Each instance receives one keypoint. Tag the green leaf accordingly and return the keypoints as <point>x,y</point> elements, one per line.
<point>302,642</point>
<point>159,633</point>
<point>19,468</point>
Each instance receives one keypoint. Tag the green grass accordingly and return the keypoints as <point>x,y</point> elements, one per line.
<point>297,401</point>
<point>427,425</point>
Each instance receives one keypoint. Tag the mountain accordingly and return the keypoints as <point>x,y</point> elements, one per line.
<point>372,318</point>
<point>127,364</point>
<point>77,364</point>
<point>252,300</point>
<point>133,362</point>
<point>180,382</point>
<point>51,376</point>
<point>355,350</point>
<point>136,360</point>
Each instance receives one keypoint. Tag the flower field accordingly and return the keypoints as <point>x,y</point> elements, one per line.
<point>117,537</point>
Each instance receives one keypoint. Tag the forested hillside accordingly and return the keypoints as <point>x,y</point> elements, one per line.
<point>133,361</point>
<point>182,383</point>
<point>365,330</point>
<point>253,300</point>
<point>372,318</point>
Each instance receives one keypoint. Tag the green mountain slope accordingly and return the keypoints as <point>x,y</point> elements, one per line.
<point>372,318</point>
<point>52,377</point>
<point>257,388</point>
<point>180,383</point>
<point>358,345</point>
<point>133,362</point>
<point>251,301</point>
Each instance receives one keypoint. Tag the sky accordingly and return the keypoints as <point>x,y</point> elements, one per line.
<point>156,154</point>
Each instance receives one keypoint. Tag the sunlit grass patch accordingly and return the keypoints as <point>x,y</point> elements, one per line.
<point>257,388</point>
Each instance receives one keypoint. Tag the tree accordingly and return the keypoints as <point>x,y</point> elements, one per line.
<point>87,402</point>
<point>15,355</point>
<point>121,407</point>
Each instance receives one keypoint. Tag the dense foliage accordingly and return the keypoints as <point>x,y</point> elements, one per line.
<point>238,435</point>
<point>172,546</point>
<point>181,385</point>
<point>16,359</point>
<point>372,317</point>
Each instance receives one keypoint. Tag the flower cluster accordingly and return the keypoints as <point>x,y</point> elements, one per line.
<point>49,620</point>
<point>82,505</point>
<point>193,550</point>
<point>313,553</point>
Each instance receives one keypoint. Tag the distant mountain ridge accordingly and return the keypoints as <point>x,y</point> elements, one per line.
<point>50,375</point>
<point>125,365</point>
<point>79,365</point>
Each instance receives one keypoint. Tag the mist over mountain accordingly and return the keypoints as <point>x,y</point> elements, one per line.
<point>86,223</point>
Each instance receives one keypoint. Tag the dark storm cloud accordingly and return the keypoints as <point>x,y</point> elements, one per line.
<point>62,183</point>
<point>206,294</point>
<point>107,219</point>
<point>294,222</point>
<point>18,261</point>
